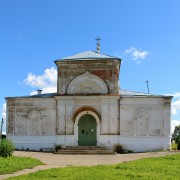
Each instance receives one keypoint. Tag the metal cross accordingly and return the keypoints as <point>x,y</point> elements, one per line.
<point>98,44</point>
<point>98,40</point>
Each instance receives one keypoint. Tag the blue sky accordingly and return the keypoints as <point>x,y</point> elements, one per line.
<point>144,34</point>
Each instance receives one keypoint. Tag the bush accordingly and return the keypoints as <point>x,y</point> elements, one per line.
<point>119,149</point>
<point>3,136</point>
<point>6,148</point>
<point>174,146</point>
<point>57,147</point>
<point>178,146</point>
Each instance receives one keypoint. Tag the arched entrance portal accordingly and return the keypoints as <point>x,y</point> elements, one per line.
<point>87,131</point>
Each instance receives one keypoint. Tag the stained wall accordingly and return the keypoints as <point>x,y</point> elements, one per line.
<point>107,70</point>
<point>31,116</point>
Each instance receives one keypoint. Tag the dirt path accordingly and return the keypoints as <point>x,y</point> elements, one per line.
<point>58,160</point>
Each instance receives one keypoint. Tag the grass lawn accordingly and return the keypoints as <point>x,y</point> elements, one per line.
<point>151,168</point>
<point>13,164</point>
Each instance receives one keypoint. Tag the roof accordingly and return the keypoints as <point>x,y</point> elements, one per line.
<point>126,93</point>
<point>88,55</point>
<point>48,95</point>
<point>123,93</point>
<point>133,93</point>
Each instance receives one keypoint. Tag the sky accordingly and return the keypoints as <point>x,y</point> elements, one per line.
<point>144,34</point>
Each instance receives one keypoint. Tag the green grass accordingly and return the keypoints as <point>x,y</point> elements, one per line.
<point>151,168</point>
<point>13,164</point>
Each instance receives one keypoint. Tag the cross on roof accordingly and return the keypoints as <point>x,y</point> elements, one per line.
<point>98,44</point>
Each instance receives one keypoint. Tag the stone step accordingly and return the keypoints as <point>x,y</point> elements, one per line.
<point>85,147</point>
<point>84,150</point>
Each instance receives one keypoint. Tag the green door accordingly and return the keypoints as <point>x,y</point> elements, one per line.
<point>87,131</point>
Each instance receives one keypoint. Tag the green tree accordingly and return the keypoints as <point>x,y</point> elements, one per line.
<point>176,134</point>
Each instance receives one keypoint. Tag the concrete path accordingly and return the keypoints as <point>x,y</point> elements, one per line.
<point>59,161</point>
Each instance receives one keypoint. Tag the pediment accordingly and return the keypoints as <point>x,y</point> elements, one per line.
<point>87,83</point>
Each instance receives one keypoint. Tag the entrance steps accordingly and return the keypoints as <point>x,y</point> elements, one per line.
<point>84,150</point>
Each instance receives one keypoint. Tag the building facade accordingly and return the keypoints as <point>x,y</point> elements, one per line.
<point>90,109</point>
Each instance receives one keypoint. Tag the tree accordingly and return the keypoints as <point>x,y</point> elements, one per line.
<point>176,134</point>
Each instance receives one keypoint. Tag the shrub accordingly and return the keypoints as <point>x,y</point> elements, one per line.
<point>174,146</point>
<point>6,148</point>
<point>3,136</point>
<point>119,149</point>
<point>178,146</point>
<point>57,147</point>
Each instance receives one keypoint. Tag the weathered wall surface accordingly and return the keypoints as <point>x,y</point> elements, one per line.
<point>31,116</point>
<point>144,124</point>
<point>145,116</point>
<point>106,108</point>
<point>139,124</point>
<point>110,115</point>
<point>136,143</point>
<point>107,70</point>
<point>65,110</point>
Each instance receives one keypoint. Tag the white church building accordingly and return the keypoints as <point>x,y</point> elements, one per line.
<point>89,109</point>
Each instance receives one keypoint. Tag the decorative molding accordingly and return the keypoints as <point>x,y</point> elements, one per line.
<point>84,109</point>
<point>87,83</point>
<point>87,112</point>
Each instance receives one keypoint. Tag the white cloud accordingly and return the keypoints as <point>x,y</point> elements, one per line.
<point>137,54</point>
<point>3,111</point>
<point>175,95</point>
<point>173,124</point>
<point>3,114</point>
<point>47,82</point>
<point>176,107</point>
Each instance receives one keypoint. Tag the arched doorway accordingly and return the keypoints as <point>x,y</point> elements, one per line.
<point>87,131</point>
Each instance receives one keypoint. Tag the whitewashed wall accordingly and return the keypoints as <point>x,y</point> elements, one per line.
<point>145,123</point>
<point>139,124</point>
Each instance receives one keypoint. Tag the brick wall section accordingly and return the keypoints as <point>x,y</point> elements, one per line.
<point>107,69</point>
